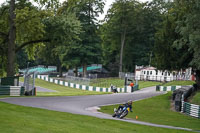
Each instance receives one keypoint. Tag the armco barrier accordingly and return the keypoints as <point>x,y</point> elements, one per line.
<point>167,88</point>
<point>185,92</point>
<point>190,109</point>
<point>9,81</point>
<point>12,90</point>
<point>85,87</point>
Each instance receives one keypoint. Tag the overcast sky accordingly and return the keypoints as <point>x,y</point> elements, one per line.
<point>107,5</point>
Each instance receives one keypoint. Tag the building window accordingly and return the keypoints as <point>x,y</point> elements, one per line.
<point>168,73</point>
<point>156,72</point>
<point>162,73</point>
<point>147,72</point>
<point>150,72</point>
<point>144,72</point>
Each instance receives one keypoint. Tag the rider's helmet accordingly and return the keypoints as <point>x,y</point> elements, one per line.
<point>130,102</point>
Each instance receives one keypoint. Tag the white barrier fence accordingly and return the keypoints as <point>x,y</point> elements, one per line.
<point>127,89</point>
<point>190,109</point>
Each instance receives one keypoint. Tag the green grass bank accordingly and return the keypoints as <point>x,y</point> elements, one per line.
<point>61,90</point>
<point>68,91</point>
<point>179,83</point>
<point>158,110</point>
<point>19,119</point>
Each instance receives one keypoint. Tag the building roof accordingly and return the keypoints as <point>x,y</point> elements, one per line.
<point>146,68</point>
<point>90,68</point>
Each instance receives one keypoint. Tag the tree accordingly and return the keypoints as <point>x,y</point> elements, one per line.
<point>118,24</point>
<point>139,21</point>
<point>139,48</point>
<point>11,43</point>
<point>180,37</point>
<point>165,54</point>
<point>120,17</point>
<point>24,29</point>
<point>189,30</point>
<point>29,29</point>
<point>62,30</point>
<point>3,38</point>
<point>87,12</point>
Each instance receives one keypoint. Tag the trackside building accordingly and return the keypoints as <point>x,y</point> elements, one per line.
<point>153,74</point>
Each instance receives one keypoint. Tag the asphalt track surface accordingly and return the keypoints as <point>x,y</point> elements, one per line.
<point>88,105</point>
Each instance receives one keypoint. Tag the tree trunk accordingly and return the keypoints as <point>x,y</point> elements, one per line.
<point>123,36</point>
<point>11,44</point>
<point>76,71</point>
<point>60,70</point>
<point>198,78</point>
<point>85,70</point>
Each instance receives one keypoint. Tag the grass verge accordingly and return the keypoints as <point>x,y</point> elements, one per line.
<point>106,82</point>
<point>20,119</point>
<point>144,84</point>
<point>68,91</point>
<point>181,83</point>
<point>157,110</point>
<point>196,98</point>
<point>61,90</point>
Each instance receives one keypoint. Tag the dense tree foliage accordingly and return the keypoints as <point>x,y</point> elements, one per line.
<point>89,50</point>
<point>128,34</point>
<point>62,31</point>
<point>33,28</point>
<point>178,39</point>
<point>23,28</point>
<point>159,33</point>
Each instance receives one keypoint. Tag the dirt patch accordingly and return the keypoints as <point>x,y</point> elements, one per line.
<point>172,105</point>
<point>192,95</point>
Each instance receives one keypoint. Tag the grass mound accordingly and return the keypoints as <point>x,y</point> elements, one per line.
<point>62,90</point>
<point>179,83</point>
<point>18,119</point>
<point>157,110</point>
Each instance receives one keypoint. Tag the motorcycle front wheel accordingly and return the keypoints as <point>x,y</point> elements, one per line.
<point>123,114</point>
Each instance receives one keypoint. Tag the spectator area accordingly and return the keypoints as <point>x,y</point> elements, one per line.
<point>38,70</point>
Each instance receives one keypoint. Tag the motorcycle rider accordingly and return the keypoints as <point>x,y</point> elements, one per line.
<point>128,104</point>
<point>113,88</point>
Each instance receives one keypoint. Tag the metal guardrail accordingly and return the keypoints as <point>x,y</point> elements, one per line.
<point>190,109</point>
<point>10,81</point>
<point>12,90</point>
<point>180,96</point>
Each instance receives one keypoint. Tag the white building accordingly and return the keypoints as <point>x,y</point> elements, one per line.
<point>151,73</point>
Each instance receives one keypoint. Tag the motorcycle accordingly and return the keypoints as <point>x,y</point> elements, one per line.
<point>121,113</point>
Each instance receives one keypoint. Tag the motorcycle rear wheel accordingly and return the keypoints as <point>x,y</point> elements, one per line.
<point>114,115</point>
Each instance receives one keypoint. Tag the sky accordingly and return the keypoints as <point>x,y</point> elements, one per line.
<point>108,4</point>
<point>106,7</point>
